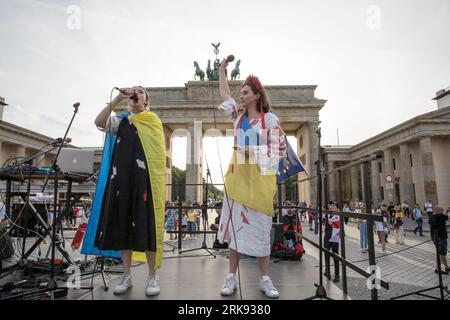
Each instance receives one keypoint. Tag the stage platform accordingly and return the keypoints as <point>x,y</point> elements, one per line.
<point>199,276</point>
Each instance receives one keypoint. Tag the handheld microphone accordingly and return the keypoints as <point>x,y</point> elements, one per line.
<point>133,97</point>
<point>230,58</point>
<point>120,90</point>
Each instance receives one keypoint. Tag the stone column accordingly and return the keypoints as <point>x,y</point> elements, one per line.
<point>20,151</point>
<point>363,187</point>
<point>283,192</point>
<point>194,160</point>
<point>406,190</point>
<point>354,172</point>
<point>429,178</point>
<point>332,178</point>
<point>311,158</point>
<point>3,155</point>
<point>376,188</point>
<point>168,141</point>
<point>389,193</point>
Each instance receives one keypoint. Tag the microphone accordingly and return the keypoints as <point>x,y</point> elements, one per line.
<point>76,105</point>
<point>133,97</point>
<point>230,58</point>
<point>120,90</point>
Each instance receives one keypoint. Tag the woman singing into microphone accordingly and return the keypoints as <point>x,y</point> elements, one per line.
<point>132,208</point>
<point>250,182</point>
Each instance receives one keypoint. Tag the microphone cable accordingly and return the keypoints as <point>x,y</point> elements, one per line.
<point>110,137</point>
<point>225,190</point>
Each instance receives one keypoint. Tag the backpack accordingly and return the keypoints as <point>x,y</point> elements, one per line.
<point>290,247</point>
<point>6,244</point>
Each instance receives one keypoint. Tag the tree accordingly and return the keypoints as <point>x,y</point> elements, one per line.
<point>178,184</point>
<point>291,187</point>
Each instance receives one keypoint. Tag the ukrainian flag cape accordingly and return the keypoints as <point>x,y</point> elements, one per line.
<point>151,134</point>
<point>243,181</point>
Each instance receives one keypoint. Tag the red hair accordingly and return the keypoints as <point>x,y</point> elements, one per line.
<point>264,104</point>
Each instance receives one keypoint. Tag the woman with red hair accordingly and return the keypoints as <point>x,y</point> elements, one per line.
<point>250,182</point>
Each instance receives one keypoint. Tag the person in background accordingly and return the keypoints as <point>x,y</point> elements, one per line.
<point>170,220</point>
<point>429,209</point>
<point>417,214</point>
<point>387,219</point>
<point>346,209</point>
<point>362,226</point>
<point>398,226</point>
<point>192,222</point>
<point>438,230</point>
<point>379,228</point>
<point>310,218</point>
<point>391,211</point>
<point>331,240</point>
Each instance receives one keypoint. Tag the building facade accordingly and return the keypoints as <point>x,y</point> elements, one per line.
<point>413,161</point>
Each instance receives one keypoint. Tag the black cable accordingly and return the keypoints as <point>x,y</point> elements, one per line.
<point>225,192</point>
<point>110,155</point>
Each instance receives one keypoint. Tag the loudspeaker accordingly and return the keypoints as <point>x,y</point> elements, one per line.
<point>276,234</point>
<point>27,219</point>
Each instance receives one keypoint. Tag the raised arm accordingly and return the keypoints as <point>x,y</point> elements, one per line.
<point>223,81</point>
<point>102,117</point>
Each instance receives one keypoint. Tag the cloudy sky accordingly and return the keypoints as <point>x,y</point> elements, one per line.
<point>378,63</point>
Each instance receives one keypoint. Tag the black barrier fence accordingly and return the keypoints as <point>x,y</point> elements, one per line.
<point>278,207</point>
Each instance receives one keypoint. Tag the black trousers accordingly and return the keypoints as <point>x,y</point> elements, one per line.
<point>333,247</point>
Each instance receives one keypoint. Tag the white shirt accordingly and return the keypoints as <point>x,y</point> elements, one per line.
<point>379,226</point>
<point>268,155</point>
<point>113,122</point>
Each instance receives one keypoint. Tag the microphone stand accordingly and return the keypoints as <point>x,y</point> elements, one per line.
<point>53,166</point>
<point>51,284</point>
<point>4,175</point>
<point>204,215</point>
<point>321,292</point>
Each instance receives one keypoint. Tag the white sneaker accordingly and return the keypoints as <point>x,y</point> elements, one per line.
<point>266,286</point>
<point>124,283</point>
<point>229,286</point>
<point>153,285</point>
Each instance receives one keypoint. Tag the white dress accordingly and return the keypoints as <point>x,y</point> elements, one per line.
<point>246,230</point>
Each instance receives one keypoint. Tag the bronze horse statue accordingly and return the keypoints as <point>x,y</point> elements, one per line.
<point>198,72</point>
<point>209,71</point>
<point>236,73</point>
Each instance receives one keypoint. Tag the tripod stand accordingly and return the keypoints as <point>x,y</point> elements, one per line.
<point>51,284</point>
<point>22,263</point>
<point>440,286</point>
<point>204,216</point>
<point>321,292</point>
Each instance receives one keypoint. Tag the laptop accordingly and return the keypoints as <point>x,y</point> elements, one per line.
<point>78,161</point>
